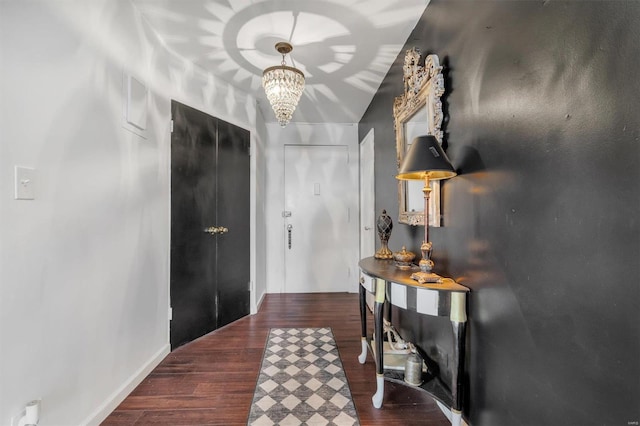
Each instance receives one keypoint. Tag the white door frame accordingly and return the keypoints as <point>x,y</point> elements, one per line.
<point>367,230</point>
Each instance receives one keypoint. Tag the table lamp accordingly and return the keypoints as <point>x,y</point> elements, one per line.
<point>425,160</point>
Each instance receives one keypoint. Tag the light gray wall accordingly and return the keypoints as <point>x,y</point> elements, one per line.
<point>84,271</point>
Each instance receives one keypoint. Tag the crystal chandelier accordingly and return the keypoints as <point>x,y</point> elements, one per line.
<point>283,86</point>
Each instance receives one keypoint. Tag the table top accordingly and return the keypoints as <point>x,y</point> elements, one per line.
<point>388,271</point>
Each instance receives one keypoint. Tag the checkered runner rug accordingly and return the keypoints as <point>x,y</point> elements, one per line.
<point>302,381</point>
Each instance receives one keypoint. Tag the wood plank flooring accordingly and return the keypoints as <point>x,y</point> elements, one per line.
<point>210,381</point>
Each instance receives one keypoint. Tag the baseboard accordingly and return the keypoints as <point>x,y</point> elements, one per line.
<point>102,412</point>
<point>264,293</point>
<point>447,412</point>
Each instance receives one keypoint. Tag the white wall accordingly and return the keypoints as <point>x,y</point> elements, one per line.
<point>303,134</point>
<point>261,139</point>
<point>84,271</point>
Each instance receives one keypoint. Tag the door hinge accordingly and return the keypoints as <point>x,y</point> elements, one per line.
<point>171,125</point>
<point>170,314</point>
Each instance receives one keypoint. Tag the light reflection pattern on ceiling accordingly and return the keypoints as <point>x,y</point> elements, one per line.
<point>344,47</point>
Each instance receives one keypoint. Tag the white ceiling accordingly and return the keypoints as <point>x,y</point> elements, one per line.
<point>344,47</point>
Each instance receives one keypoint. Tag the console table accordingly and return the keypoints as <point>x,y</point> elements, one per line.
<point>388,283</point>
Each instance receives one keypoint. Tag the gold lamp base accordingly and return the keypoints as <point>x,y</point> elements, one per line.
<point>426,266</point>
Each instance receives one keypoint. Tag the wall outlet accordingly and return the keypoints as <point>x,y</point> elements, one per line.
<point>32,413</point>
<point>16,419</point>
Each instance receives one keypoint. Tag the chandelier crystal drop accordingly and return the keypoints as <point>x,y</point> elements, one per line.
<point>283,85</point>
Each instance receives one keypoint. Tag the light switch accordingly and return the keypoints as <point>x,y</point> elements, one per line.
<point>316,189</point>
<point>25,183</point>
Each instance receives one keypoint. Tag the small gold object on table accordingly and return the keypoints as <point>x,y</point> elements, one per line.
<point>384,225</point>
<point>404,258</point>
<point>426,277</point>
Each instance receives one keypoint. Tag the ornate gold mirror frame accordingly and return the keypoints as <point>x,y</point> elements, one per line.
<point>418,112</point>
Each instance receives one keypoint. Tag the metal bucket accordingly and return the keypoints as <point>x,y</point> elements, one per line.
<point>413,370</point>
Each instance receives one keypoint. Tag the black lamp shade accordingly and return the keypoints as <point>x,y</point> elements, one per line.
<point>426,158</point>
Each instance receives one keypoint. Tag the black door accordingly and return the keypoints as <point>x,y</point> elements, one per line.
<point>233,207</point>
<point>209,188</point>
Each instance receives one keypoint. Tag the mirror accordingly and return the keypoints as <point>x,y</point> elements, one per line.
<point>418,111</point>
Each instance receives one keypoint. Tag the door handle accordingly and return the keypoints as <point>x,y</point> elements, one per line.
<point>213,230</point>
<point>289,228</point>
<point>367,228</point>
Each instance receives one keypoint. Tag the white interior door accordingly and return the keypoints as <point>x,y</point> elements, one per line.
<point>367,197</point>
<point>317,218</point>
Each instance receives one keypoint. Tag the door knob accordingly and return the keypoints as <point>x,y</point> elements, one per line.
<point>213,230</point>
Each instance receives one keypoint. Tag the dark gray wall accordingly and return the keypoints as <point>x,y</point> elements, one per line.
<point>542,224</point>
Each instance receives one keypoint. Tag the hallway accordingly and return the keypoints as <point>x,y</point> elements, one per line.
<point>211,380</point>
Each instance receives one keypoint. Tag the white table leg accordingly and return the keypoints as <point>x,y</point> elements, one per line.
<point>363,355</point>
<point>377,397</point>
<point>456,418</point>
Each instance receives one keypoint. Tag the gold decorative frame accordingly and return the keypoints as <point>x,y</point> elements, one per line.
<point>423,87</point>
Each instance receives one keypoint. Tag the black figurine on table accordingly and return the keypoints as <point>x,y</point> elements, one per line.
<point>384,225</point>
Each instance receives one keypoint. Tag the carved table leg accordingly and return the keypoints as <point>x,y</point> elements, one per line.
<point>459,329</point>
<point>378,316</point>
<point>363,323</point>
<point>459,323</point>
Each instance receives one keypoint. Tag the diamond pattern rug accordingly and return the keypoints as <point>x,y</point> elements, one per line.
<point>302,381</point>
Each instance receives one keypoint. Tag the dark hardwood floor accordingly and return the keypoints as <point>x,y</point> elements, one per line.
<point>210,381</point>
